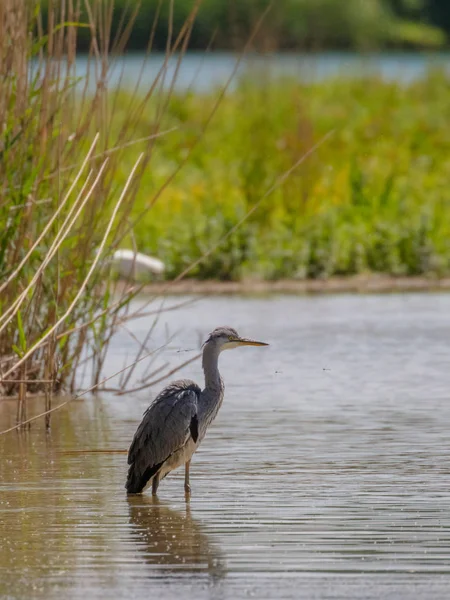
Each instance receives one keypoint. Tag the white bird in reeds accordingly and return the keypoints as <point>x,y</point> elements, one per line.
<point>132,264</point>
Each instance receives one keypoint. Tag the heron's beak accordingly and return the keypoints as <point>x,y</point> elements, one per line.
<point>246,342</point>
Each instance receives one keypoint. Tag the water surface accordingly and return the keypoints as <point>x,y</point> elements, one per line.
<point>202,72</point>
<point>325,475</point>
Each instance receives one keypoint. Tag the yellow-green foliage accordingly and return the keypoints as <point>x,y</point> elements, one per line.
<point>374,197</point>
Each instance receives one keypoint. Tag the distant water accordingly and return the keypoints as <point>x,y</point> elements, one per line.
<point>204,71</point>
<point>326,474</point>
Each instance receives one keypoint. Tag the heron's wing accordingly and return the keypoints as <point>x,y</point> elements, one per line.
<point>166,426</point>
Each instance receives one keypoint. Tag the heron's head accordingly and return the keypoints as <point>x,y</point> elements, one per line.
<point>225,338</point>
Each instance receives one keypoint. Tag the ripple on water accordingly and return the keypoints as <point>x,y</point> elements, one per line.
<point>312,483</point>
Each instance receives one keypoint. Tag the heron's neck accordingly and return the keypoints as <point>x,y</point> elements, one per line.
<point>210,368</point>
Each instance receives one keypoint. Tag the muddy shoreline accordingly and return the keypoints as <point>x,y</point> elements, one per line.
<point>370,284</point>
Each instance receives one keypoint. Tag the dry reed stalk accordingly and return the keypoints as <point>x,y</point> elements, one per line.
<point>165,376</point>
<point>48,389</point>
<point>143,346</point>
<point>23,393</point>
<point>48,405</point>
<point>21,398</point>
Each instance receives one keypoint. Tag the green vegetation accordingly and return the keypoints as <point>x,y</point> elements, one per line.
<point>374,197</point>
<point>292,24</point>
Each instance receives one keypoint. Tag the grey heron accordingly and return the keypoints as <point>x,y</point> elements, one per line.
<point>176,422</point>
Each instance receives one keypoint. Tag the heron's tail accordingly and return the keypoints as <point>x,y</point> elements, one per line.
<point>137,478</point>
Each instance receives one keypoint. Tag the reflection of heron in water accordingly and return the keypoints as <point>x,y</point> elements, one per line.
<point>173,539</point>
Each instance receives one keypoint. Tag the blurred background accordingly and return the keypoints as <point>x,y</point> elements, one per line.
<point>372,199</point>
<point>292,25</point>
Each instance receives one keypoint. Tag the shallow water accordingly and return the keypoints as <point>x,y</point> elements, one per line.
<point>325,475</point>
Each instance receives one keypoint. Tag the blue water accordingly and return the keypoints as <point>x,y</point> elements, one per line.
<point>204,71</point>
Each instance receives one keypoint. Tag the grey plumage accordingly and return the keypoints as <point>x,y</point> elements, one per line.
<point>165,428</point>
<point>176,422</point>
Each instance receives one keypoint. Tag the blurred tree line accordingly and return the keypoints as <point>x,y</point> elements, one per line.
<point>291,24</point>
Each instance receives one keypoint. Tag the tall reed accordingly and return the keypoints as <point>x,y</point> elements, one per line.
<point>65,202</point>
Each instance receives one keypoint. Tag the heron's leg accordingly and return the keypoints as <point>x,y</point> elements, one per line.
<point>155,483</point>
<point>187,487</point>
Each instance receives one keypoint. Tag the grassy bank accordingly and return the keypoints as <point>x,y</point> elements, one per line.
<point>373,198</point>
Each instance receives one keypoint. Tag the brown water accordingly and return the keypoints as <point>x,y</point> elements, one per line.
<point>326,474</point>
